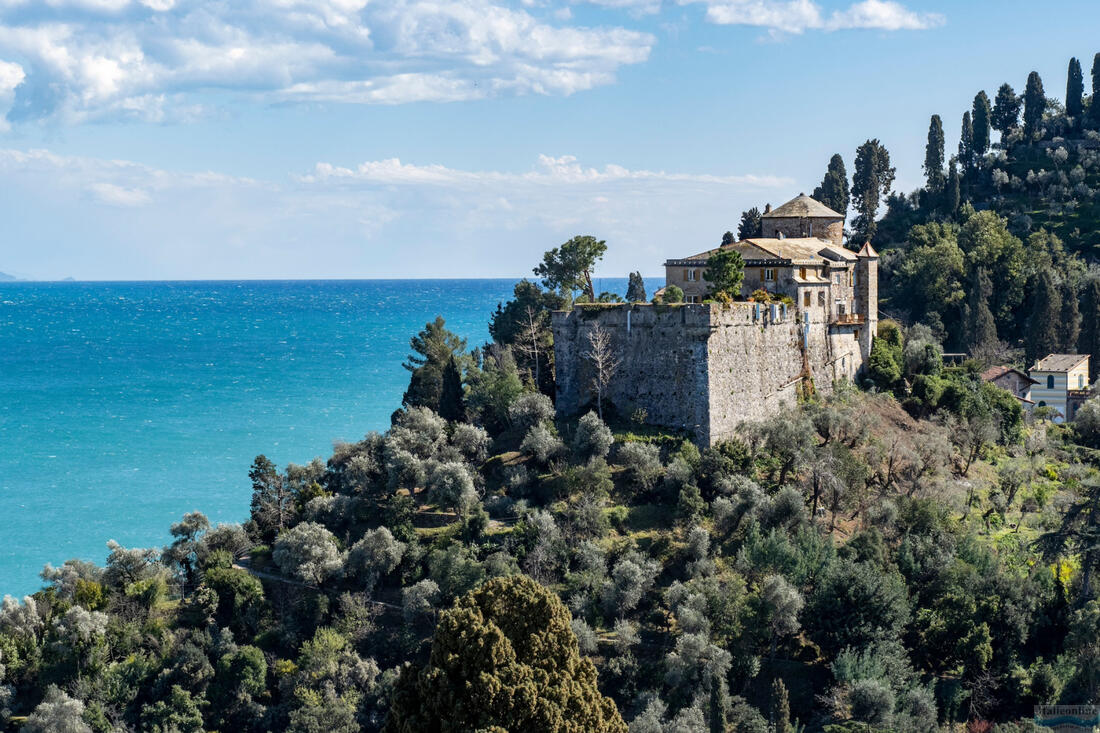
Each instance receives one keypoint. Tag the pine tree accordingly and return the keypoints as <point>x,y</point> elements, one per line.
<point>1075,90</point>
<point>1093,117</point>
<point>1035,104</point>
<point>833,191</point>
<point>452,401</point>
<point>966,144</point>
<point>1089,341</point>
<point>432,349</point>
<point>872,180</point>
<point>933,155</point>
<point>1006,110</point>
<point>1069,322</point>
<point>751,224</point>
<point>1042,324</point>
<point>635,289</point>
<point>781,707</point>
<point>982,118</point>
<point>727,239</point>
<point>981,328</point>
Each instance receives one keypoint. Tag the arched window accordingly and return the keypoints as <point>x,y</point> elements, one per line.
<point>1050,381</point>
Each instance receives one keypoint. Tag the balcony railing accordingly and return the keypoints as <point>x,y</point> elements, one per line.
<point>847,319</point>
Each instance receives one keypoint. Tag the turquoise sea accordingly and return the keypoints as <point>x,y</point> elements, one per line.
<point>125,405</point>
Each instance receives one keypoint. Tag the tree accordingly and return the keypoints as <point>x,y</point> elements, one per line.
<point>432,349</point>
<point>981,328</point>
<point>635,289</point>
<point>1069,322</point>
<point>783,603</point>
<point>375,556</point>
<point>524,323</point>
<point>933,156</point>
<point>568,268</point>
<point>1089,341</point>
<point>673,294</point>
<point>1006,110</point>
<point>781,707</point>
<point>1035,104</point>
<point>982,119</point>
<point>751,224</point>
<point>833,191</point>
<point>967,157</point>
<point>1042,325</point>
<point>1075,90</point>
<point>728,239</point>
<point>178,713</point>
<point>57,713</point>
<point>593,438</point>
<point>309,552</point>
<point>452,400</point>
<point>872,180</point>
<point>952,192</point>
<point>182,553</point>
<point>604,362</point>
<point>724,271</point>
<point>1094,107</point>
<point>504,657</point>
<point>273,502</point>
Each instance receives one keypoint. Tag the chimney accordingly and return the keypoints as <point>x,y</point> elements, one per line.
<point>767,208</point>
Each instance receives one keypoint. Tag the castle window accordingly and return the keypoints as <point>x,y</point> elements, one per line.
<point>769,274</point>
<point>1050,381</point>
<point>686,274</point>
<point>802,272</point>
<point>855,279</point>
<point>806,299</point>
<point>1080,381</point>
<point>821,298</point>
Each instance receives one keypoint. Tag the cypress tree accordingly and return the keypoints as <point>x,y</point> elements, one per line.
<point>1070,320</point>
<point>933,155</point>
<point>1006,110</point>
<point>1089,341</point>
<point>1035,104</point>
<point>635,289</point>
<point>981,328</point>
<point>872,180</point>
<point>781,707</point>
<point>833,191</point>
<point>452,402</point>
<point>1093,118</point>
<point>966,143</point>
<point>1075,90</point>
<point>981,118</point>
<point>1042,325</point>
<point>952,192</point>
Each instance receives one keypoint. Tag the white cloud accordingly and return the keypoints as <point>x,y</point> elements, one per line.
<point>11,76</point>
<point>96,218</point>
<point>149,59</point>
<point>798,16</point>
<point>114,195</point>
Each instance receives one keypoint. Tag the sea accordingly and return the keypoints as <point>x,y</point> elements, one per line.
<point>124,405</point>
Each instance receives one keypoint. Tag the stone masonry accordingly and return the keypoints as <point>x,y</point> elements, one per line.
<point>702,368</point>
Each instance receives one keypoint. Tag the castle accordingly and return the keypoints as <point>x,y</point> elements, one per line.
<point>708,367</point>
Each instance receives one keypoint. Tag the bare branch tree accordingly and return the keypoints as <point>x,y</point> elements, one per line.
<point>527,340</point>
<point>604,362</point>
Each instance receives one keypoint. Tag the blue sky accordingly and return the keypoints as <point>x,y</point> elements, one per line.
<point>162,139</point>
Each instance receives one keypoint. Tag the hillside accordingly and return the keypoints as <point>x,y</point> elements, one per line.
<point>845,564</point>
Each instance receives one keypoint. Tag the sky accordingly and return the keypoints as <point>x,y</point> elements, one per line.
<point>179,139</point>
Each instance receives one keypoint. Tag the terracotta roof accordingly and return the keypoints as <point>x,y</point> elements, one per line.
<point>1059,362</point>
<point>997,372</point>
<point>796,249</point>
<point>802,207</point>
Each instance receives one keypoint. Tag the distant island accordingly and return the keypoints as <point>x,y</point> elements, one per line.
<point>6,278</point>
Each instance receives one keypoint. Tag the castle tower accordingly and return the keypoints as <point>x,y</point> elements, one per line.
<point>867,297</point>
<point>804,217</point>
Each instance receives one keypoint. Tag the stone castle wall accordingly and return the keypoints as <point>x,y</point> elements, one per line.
<point>702,368</point>
<point>831,229</point>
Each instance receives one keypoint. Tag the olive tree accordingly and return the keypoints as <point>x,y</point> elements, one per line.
<point>309,552</point>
